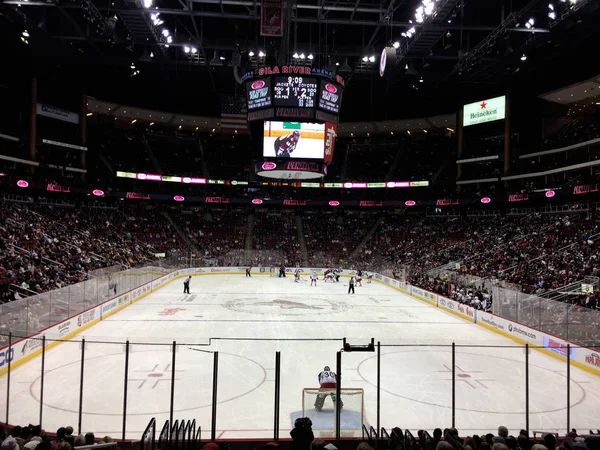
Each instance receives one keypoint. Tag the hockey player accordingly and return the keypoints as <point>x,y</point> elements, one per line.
<point>327,381</point>
<point>285,145</point>
<point>328,275</point>
<point>336,275</point>
<point>313,277</point>
<point>369,277</point>
<point>359,278</point>
<point>297,276</point>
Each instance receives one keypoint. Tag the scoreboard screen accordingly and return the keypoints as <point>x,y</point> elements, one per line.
<point>295,92</point>
<point>258,94</point>
<point>330,96</point>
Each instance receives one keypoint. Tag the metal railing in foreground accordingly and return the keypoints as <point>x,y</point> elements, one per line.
<point>254,387</point>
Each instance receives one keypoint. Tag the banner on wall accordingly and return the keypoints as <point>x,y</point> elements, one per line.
<point>57,113</point>
<point>271,18</point>
<point>330,135</point>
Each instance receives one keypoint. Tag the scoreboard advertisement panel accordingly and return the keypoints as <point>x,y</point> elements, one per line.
<point>258,94</point>
<point>295,92</point>
<point>330,96</point>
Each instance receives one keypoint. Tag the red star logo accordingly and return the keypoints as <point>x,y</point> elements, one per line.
<point>483,105</point>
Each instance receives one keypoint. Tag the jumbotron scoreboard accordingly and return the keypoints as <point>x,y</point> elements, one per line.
<point>293,93</point>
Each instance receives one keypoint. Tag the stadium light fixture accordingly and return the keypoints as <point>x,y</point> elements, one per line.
<point>530,23</point>
<point>365,58</point>
<point>133,121</point>
<point>147,4</point>
<point>295,56</point>
<point>169,40</point>
<point>222,58</point>
<point>310,56</point>
<point>194,50</point>
<point>372,58</point>
<point>250,53</point>
<point>261,54</point>
<point>396,44</point>
<point>25,33</point>
<point>186,49</point>
<point>524,57</point>
<point>337,63</point>
<point>302,56</point>
<point>165,32</point>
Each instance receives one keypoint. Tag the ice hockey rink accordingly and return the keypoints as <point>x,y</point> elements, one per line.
<point>415,365</point>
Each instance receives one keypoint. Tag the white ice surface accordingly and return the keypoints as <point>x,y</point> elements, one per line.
<point>415,374</point>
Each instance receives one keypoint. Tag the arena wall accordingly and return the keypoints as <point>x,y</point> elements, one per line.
<point>26,349</point>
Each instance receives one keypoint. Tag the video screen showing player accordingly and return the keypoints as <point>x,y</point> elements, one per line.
<point>294,140</point>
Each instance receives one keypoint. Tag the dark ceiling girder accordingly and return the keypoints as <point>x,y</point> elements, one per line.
<point>328,21</point>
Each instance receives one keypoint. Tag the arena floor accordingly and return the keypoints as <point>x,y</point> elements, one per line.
<point>415,378</point>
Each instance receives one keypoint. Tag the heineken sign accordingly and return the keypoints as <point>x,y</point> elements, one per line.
<point>484,111</point>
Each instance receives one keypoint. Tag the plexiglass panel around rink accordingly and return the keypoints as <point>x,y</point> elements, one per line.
<point>241,356</point>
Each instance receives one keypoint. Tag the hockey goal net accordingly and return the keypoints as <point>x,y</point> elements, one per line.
<point>320,404</point>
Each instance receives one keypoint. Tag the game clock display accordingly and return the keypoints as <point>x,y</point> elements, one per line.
<point>295,92</point>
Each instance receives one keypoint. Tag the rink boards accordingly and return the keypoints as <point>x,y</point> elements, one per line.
<point>24,350</point>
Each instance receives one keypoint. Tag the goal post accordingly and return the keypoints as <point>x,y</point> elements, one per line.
<point>324,418</point>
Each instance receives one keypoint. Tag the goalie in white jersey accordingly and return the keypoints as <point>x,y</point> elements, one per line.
<point>327,381</point>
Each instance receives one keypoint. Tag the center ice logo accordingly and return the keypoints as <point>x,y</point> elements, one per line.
<point>286,307</point>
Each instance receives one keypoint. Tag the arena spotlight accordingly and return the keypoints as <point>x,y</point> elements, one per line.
<point>186,49</point>
<point>396,44</point>
<point>310,56</point>
<point>295,56</point>
<point>261,54</point>
<point>530,23</point>
<point>365,58</point>
<point>25,33</point>
<point>147,4</point>
<point>524,57</point>
<point>302,56</point>
<point>371,58</point>
<point>194,50</point>
<point>250,53</point>
<point>169,40</point>
<point>165,32</point>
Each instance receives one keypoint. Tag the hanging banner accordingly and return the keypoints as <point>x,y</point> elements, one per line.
<point>271,18</point>
<point>330,134</point>
<point>57,113</point>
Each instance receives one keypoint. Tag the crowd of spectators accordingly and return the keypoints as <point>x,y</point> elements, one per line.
<point>32,437</point>
<point>536,252</point>
<point>47,247</point>
<point>276,236</point>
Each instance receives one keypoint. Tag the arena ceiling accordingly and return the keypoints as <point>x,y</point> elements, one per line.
<point>152,51</point>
